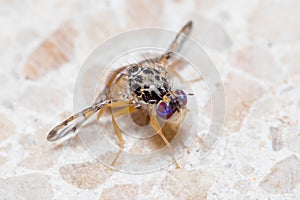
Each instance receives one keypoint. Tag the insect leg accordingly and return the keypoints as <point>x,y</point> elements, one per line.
<point>122,111</point>
<point>113,104</point>
<point>100,113</point>
<point>118,132</point>
<point>120,138</point>
<point>155,125</point>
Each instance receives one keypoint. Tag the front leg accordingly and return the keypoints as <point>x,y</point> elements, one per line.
<point>156,126</point>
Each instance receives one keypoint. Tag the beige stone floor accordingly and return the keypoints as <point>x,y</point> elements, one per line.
<point>255,46</point>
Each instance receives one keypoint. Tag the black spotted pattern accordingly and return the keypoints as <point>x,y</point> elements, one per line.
<point>148,84</point>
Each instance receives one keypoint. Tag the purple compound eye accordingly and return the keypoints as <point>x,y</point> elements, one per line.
<point>182,98</point>
<point>163,110</point>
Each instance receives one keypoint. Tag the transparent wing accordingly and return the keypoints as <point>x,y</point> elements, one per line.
<point>175,46</point>
<point>71,124</point>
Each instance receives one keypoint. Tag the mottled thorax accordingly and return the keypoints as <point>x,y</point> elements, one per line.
<point>149,83</point>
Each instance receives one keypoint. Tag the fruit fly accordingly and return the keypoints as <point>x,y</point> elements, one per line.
<point>147,90</point>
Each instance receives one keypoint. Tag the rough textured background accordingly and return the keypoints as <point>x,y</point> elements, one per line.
<point>255,46</point>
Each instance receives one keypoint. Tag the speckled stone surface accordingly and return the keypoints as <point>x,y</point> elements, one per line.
<point>255,46</point>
